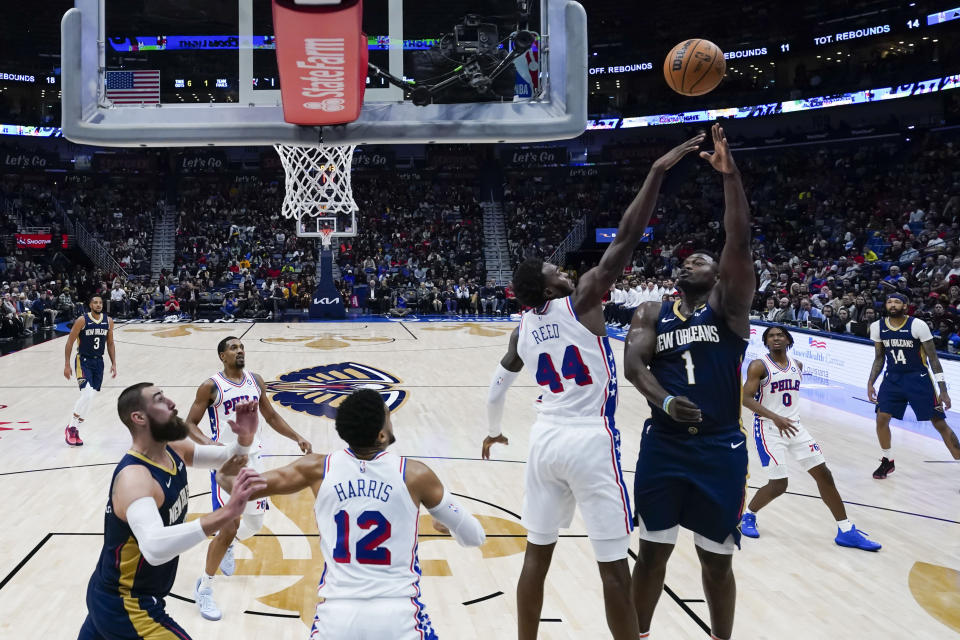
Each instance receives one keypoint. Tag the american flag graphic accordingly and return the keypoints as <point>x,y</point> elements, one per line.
<point>817,344</point>
<point>133,87</point>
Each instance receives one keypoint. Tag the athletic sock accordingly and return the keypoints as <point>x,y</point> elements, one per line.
<point>887,453</point>
<point>645,635</point>
<point>74,420</point>
<point>206,581</point>
<point>750,511</point>
<point>844,525</point>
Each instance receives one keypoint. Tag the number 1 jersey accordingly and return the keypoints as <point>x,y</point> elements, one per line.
<point>698,357</point>
<point>368,526</point>
<point>574,366</point>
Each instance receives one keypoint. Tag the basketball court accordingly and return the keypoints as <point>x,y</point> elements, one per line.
<point>436,376</point>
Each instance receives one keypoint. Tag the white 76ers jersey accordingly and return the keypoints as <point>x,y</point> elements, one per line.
<point>368,528</point>
<point>575,367</point>
<point>780,388</point>
<point>229,395</point>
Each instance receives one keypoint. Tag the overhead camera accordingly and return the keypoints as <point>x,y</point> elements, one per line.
<point>468,64</point>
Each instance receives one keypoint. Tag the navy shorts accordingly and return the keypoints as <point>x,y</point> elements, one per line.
<point>89,371</point>
<point>696,481</point>
<point>111,617</point>
<point>916,389</point>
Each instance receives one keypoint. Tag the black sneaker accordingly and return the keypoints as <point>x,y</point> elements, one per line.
<point>886,467</point>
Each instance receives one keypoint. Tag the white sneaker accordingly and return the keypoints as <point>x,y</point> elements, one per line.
<point>228,565</point>
<point>204,599</point>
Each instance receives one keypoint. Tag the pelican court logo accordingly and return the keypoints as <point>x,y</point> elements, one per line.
<point>319,390</point>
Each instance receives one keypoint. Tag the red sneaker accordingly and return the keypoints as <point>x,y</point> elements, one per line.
<point>72,436</point>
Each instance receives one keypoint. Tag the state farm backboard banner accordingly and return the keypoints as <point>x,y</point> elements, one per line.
<point>38,240</point>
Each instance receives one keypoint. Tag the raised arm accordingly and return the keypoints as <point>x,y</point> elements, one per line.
<point>638,354</point>
<point>276,421</point>
<point>75,330</point>
<point>595,283</point>
<point>733,294</point>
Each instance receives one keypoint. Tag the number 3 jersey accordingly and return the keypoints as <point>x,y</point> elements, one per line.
<point>368,528</point>
<point>902,345</point>
<point>574,366</point>
<point>698,357</point>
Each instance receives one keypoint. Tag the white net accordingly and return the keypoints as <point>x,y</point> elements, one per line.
<point>317,181</point>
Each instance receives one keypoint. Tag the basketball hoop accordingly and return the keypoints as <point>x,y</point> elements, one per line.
<point>326,237</point>
<point>317,183</point>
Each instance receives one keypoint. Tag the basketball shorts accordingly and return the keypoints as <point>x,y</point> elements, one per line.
<point>89,371</point>
<point>916,389</point>
<point>220,496</point>
<point>111,617</point>
<point>774,450</point>
<point>372,619</point>
<point>571,462</point>
<point>698,482</point>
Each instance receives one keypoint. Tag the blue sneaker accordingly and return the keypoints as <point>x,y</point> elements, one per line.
<point>748,525</point>
<point>856,539</point>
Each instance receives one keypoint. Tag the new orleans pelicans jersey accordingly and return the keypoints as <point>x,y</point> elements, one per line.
<point>121,570</point>
<point>93,336</point>
<point>574,366</point>
<point>368,529</point>
<point>902,345</point>
<point>698,357</point>
<point>229,395</point>
<point>780,389</point>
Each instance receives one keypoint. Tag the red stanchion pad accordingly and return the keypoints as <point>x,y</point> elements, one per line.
<point>322,59</point>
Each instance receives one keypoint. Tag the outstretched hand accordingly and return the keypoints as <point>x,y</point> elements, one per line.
<point>720,159</point>
<point>246,422</point>
<point>674,156</point>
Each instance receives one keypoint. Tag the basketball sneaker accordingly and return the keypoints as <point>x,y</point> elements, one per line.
<point>204,599</point>
<point>229,564</point>
<point>856,539</point>
<point>748,525</point>
<point>72,436</point>
<point>886,467</point>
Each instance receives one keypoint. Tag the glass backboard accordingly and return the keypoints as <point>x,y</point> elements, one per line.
<point>176,72</point>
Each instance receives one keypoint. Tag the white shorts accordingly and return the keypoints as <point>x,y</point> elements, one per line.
<point>571,463</point>
<point>774,450</point>
<point>372,619</point>
<point>221,497</point>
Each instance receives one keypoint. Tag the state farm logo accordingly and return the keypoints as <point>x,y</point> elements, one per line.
<point>325,74</point>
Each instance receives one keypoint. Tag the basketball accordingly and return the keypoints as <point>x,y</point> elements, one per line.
<point>694,67</point>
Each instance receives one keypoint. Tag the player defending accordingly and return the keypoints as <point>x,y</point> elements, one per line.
<point>574,453</point>
<point>685,358</point>
<point>907,344</point>
<point>144,528</point>
<point>218,397</point>
<point>367,507</point>
<point>95,331</point>
<point>772,392</point>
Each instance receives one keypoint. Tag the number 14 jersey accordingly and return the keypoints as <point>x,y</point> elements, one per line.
<point>574,367</point>
<point>698,357</point>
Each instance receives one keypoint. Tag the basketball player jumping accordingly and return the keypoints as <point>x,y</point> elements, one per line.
<point>218,397</point>
<point>907,345</point>
<point>574,455</point>
<point>367,507</point>
<point>95,331</point>
<point>772,392</point>
<point>685,358</point>
<point>144,528</point>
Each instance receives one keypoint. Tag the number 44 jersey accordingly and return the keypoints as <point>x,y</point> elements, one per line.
<point>698,357</point>
<point>574,367</point>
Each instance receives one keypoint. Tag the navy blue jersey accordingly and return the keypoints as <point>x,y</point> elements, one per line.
<point>93,336</point>
<point>902,346</point>
<point>698,357</point>
<point>122,569</point>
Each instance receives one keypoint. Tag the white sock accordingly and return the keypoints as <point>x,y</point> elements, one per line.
<point>888,453</point>
<point>645,635</point>
<point>750,511</point>
<point>74,420</point>
<point>844,525</point>
<point>206,582</point>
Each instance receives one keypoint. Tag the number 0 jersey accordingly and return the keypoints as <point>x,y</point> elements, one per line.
<point>368,527</point>
<point>780,389</point>
<point>574,366</point>
<point>698,357</point>
<point>902,346</point>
